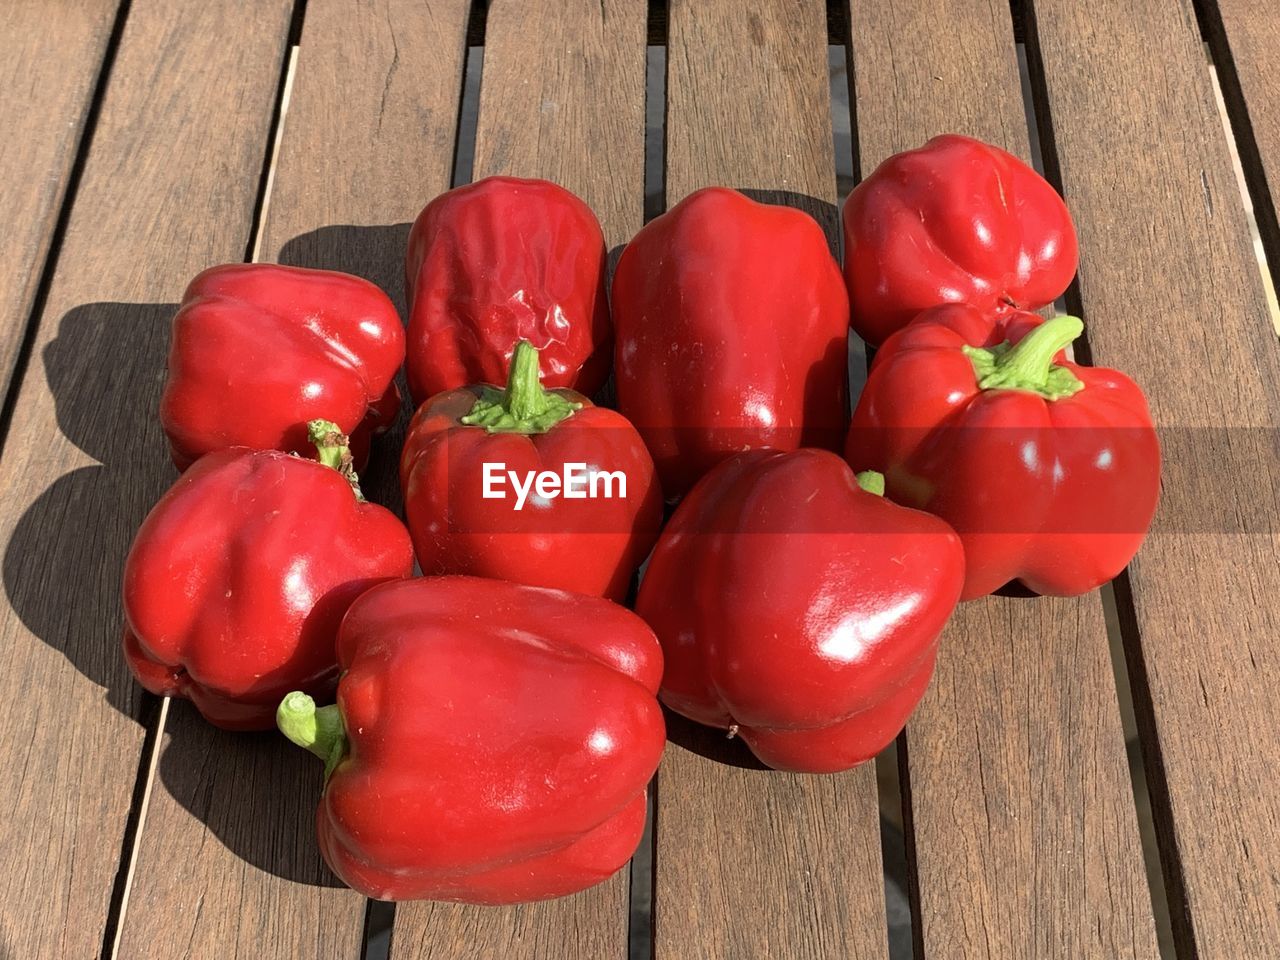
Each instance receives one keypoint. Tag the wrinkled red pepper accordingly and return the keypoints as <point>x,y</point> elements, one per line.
<point>499,261</point>
<point>586,532</point>
<point>956,220</point>
<point>238,578</point>
<point>259,350</point>
<point>732,325</point>
<point>799,609</point>
<point>491,742</point>
<point>1049,471</point>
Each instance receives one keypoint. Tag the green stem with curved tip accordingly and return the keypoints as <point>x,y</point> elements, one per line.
<point>333,450</point>
<point>318,729</point>
<point>1028,365</point>
<point>525,406</point>
<point>871,481</point>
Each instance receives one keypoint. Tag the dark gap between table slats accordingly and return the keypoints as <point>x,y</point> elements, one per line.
<point>148,705</point>
<point>1166,884</point>
<point>909,847</point>
<point>262,204</point>
<point>1171,878</point>
<point>899,923</point>
<point>1240,124</point>
<point>1136,755</point>
<point>655,130</point>
<point>896,842</point>
<point>379,928</point>
<point>640,880</point>
<point>643,868</point>
<point>23,357</point>
<point>464,140</point>
<point>1070,303</point>
<point>149,717</point>
<point>476,21</point>
<point>464,154</point>
<point>277,114</point>
<point>380,915</point>
<point>642,875</point>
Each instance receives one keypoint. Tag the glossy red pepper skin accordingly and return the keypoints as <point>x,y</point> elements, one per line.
<point>956,220</point>
<point>238,578</point>
<point>499,261</point>
<point>499,739</point>
<point>588,545</point>
<point>797,609</point>
<point>732,325</point>
<point>258,350</point>
<point>1057,494</point>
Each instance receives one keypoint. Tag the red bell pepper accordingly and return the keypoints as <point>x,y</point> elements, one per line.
<point>1049,471</point>
<point>732,326</point>
<point>238,578</point>
<point>957,220</point>
<point>799,609</point>
<point>491,742</point>
<point>470,469</point>
<point>259,350</point>
<point>499,261</point>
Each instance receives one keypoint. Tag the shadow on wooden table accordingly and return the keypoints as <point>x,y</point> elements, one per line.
<point>62,567</point>
<point>710,742</point>
<point>62,571</point>
<point>826,213</point>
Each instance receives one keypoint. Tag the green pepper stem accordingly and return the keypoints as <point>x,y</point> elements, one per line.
<point>1033,355</point>
<point>333,450</point>
<point>871,481</point>
<point>525,397</point>
<point>319,730</point>
<point>525,406</point>
<point>1028,364</point>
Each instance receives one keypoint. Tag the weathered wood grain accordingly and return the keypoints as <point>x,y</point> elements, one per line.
<point>749,103</point>
<point>49,69</point>
<point>561,97</point>
<point>1244,36</point>
<point>1025,836</point>
<point>1171,293</point>
<point>749,862</point>
<point>168,187</point>
<point>366,140</point>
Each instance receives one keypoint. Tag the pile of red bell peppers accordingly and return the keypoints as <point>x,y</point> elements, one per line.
<point>488,727</point>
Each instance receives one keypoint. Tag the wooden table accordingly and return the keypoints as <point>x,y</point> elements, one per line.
<point>146,139</point>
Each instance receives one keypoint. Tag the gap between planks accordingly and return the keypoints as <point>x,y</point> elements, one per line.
<point>155,734</point>
<point>471,87</point>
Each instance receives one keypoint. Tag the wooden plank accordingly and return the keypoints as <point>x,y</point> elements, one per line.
<point>49,68</point>
<point>749,862</point>
<point>168,187</point>
<point>561,97</point>
<point>1168,280</point>
<point>1017,853</point>
<point>367,138</point>
<point>1244,36</point>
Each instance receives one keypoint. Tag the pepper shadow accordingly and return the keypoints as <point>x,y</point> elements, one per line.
<point>105,369</point>
<point>257,792</point>
<point>62,569</point>
<point>826,213</point>
<point>63,563</point>
<point>710,742</point>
